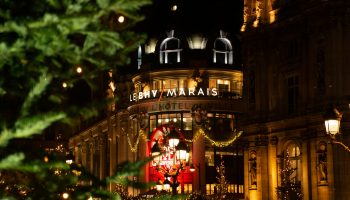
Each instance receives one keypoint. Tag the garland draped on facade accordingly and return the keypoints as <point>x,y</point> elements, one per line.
<point>226,143</point>
<point>134,147</point>
<point>200,132</point>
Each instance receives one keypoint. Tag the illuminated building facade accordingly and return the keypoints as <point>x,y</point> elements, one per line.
<point>189,84</point>
<point>295,63</point>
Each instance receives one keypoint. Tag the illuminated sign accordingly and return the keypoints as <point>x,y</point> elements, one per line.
<point>190,92</point>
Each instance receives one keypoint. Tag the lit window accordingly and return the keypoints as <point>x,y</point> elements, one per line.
<point>223,53</point>
<point>293,161</point>
<point>170,50</point>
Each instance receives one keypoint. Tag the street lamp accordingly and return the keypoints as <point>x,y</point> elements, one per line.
<point>173,138</point>
<point>332,119</point>
<point>175,152</point>
<point>166,182</point>
<point>159,185</point>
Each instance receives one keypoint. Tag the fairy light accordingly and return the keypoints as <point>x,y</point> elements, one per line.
<point>65,195</point>
<point>134,147</point>
<point>201,132</point>
<point>79,70</point>
<point>121,19</point>
<point>64,85</point>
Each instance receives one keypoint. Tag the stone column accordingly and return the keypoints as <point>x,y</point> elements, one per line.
<point>83,153</point>
<point>320,159</point>
<point>247,191</point>
<point>272,167</point>
<point>305,166</point>
<point>262,168</point>
<point>198,159</point>
<point>102,154</point>
<point>112,150</point>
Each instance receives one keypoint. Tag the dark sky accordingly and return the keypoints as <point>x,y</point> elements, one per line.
<point>193,16</point>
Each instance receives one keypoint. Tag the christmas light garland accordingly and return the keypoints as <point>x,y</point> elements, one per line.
<point>134,147</point>
<point>201,132</point>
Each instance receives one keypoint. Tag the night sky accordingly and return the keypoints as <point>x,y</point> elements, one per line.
<point>193,16</point>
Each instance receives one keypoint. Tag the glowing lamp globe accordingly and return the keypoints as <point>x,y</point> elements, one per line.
<point>332,119</point>
<point>181,151</point>
<point>173,138</point>
<point>166,184</point>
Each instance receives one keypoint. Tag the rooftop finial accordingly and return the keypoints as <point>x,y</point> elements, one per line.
<point>170,34</point>
<point>223,34</point>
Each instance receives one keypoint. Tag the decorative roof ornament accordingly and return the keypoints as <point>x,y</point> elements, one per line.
<point>223,34</point>
<point>170,34</point>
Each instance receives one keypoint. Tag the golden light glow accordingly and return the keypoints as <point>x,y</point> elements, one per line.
<point>174,8</point>
<point>121,19</point>
<point>133,147</point>
<point>65,195</point>
<point>197,42</point>
<point>332,126</point>
<point>64,85</point>
<point>243,28</point>
<point>79,70</point>
<point>46,159</point>
<point>272,14</point>
<point>226,143</point>
<point>256,23</point>
<point>151,46</point>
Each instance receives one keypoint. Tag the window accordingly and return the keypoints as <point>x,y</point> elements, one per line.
<point>170,50</point>
<point>293,162</point>
<point>157,85</point>
<point>222,50</point>
<point>293,93</point>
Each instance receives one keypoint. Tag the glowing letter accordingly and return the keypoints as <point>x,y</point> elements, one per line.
<point>214,92</point>
<point>182,92</point>
<point>154,93</point>
<point>140,95</point>
<point>191,91</point>
<point>200,92</point>
<point>171,92</point>
<point>147,94</point>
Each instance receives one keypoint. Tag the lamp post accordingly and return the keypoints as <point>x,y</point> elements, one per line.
<point>332,119</point>
<point>176,151</point>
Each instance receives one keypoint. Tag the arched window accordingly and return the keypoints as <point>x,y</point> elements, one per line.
<point>170,50</point>
<point>293,161</point>
<point>223,53</point>
<point>290,173</point>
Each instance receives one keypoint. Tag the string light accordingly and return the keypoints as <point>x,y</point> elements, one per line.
<point>201,132</point>
<point>121,19</point>
<point>64,85</point>
<point>134,147</point>
<point>79,70</point>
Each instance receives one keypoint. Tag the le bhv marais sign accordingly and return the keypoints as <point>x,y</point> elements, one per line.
<point>190,92</point>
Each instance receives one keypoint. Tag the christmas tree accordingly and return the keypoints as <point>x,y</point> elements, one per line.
<point>46,48</point>
<point>222,185</point>
<point>290,189</point>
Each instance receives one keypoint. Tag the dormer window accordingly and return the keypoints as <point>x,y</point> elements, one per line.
<point>222,52</point>
<point>170,49</point>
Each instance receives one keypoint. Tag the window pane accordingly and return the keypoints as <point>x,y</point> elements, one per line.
<point>187,121</point>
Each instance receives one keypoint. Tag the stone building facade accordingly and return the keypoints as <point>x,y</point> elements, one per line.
<point>188,83</point>
<point>295,64</point>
